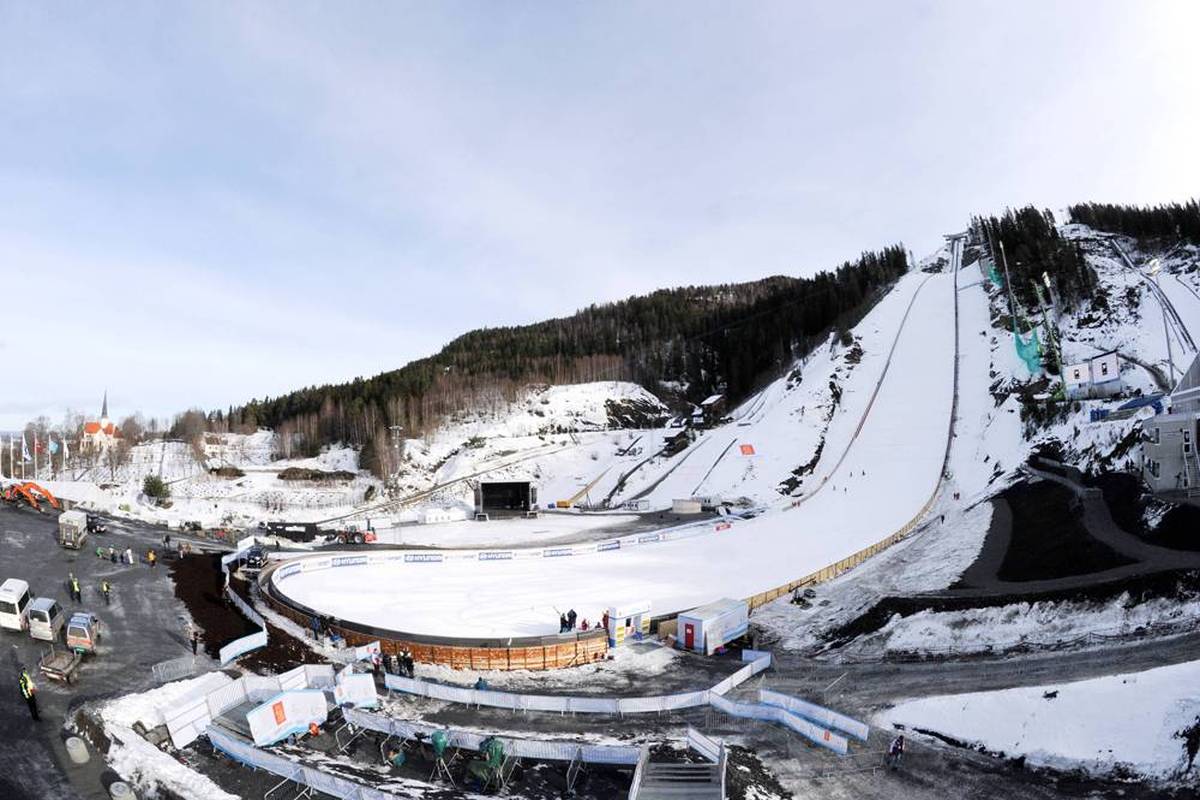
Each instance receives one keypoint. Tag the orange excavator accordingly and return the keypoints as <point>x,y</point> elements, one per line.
<point>30,492</point>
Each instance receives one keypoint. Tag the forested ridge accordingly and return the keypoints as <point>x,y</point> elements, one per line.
<point>699,339</point>
<point>1030,246</point>
<point>1171,220</point>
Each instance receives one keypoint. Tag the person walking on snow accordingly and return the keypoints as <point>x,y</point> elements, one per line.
<point>571,617</point>
<point>195,640</point>
<point>895,752</point>
<point>562,623</point>
<point>29,692</point>
<point>151,557</point>
<point>106,590</point>
<point>76,593</point>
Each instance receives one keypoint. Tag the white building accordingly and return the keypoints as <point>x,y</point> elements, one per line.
<point>101,434</point>
<point>1098,376</point>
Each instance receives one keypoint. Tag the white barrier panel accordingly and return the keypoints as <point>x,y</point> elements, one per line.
<point>293,679</point>
<point>355,690</point>
<point>568,704</point>
<point>239,647</point>
<point>226,698</point>
<point>709,748</point>
<point>332,785</point>
<point>285,714</point>
<point>816,713</point>
<point>368,651</point>
<point>814,733</point>
<point>318,676</point>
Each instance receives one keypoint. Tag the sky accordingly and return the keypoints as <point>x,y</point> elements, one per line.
<point>203,203</point>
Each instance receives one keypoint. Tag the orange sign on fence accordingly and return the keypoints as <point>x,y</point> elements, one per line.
<point>747,449</point>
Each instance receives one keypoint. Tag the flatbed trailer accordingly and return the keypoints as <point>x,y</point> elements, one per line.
<point>60,665</point>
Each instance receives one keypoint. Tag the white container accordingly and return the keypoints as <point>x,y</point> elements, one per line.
<point>77,750</point>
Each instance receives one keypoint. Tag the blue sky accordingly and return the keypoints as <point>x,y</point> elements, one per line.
<point>203,203</point>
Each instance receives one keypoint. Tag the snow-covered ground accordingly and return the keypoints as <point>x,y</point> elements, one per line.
<point>1119,725</point>
<point>213,500</point>
<point>868,492</point>
<point>933,558</point>
<point>141,763</point>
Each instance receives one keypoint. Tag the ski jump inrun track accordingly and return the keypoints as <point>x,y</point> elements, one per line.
<point>885,468</point>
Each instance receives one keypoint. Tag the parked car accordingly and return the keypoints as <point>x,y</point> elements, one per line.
<point>14,604</point>
<point>96,524</point>
<point>46,619</point>
<point>83,632</point>
<point>255,559</point>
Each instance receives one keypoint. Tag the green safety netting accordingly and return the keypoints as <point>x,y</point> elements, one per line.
<point>993,275</point>
<point>1029,348</point>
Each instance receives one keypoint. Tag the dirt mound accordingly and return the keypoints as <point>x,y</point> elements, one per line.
<point>1049,539</point>
<point>306,474</point>
<point>199,584</point>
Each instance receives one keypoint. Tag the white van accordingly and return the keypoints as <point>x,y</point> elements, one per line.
<point>14,604</point>
<point>46,619</point>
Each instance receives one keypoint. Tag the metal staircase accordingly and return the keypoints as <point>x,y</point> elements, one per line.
<point>676,781</point>
<point>1191,468</point>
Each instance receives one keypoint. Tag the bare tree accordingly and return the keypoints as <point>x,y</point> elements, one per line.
<point>133,429</point>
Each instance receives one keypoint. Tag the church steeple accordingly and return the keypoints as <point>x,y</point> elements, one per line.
<point>104,408</point>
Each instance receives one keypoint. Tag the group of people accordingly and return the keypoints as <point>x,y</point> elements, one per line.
<point>401,663</point>
<point>75,590</point>
<point>116,556</point>
<point>566,622</point>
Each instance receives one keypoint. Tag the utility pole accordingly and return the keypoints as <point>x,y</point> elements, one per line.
<point>1155,268</point>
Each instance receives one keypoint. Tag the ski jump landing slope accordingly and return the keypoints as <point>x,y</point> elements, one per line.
<point>885,479</point>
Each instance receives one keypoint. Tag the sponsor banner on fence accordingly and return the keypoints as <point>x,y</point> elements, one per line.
<point>558,552</point>
<point>285,714</point>
<point>606,546</point>
<point>496,555</point>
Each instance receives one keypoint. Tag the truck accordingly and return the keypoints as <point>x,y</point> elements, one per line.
<point>72,529</point>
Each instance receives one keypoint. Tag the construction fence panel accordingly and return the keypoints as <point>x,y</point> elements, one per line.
<point>173,669</point>
<point>226,698</point>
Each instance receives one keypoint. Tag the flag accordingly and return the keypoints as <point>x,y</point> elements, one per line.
<point>25,449</point>
<point>53,447</point>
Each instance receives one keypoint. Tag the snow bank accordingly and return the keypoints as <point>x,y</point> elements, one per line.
<point>141,763</point>
<point>1032,624</point>
<point>1106,726</point>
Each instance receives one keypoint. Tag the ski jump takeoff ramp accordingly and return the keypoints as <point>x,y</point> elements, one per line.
<point>882,486</point>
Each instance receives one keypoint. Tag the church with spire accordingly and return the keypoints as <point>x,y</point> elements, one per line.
<point>99,435</point>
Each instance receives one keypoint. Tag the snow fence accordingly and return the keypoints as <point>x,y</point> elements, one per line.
<point>566,704</point>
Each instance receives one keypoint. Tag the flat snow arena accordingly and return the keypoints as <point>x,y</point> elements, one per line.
<point>888,475</point>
